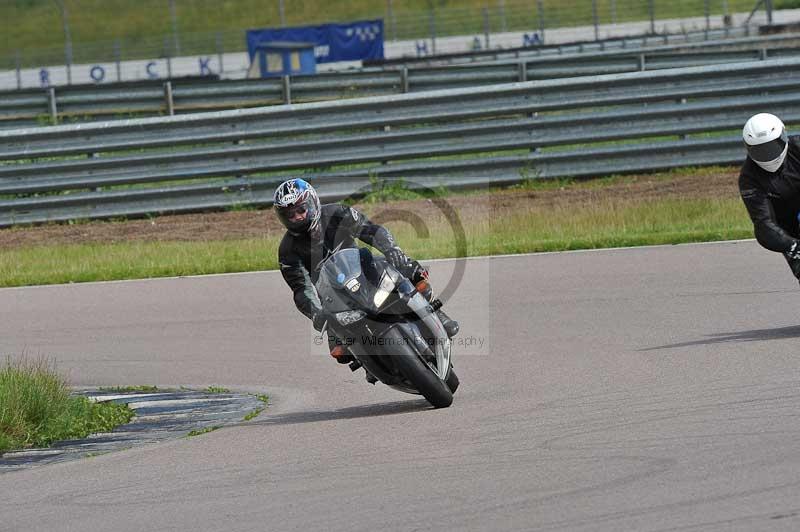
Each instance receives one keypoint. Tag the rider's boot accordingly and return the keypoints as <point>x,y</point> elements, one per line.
<point>355,364</point>
<point>342,354</point>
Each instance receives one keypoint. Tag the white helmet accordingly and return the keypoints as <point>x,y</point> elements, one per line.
<point>767,144</point>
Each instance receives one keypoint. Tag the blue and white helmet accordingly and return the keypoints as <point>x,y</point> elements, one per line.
<point>293,199</point>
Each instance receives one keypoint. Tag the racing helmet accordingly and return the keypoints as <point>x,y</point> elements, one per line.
<point>766,141</point>
<point>297,206</point>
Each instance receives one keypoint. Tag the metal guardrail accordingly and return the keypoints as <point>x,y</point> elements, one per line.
<point>30,107</point>
<point>473,137</point>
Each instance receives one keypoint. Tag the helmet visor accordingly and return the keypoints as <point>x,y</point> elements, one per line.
<point>295,213</point>
<point>300,216</point>
<point>769,151</point>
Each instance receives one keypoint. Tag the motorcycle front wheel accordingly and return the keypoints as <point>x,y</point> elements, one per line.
<point>418,373</point>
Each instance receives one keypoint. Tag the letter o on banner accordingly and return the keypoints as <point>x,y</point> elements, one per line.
<point>97,73</point>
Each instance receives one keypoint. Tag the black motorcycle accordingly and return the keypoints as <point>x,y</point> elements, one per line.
<point>388,326</point>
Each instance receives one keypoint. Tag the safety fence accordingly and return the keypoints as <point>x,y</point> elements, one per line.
<point>59,104</point>
<point>467,137</point>
<point>40,32</point>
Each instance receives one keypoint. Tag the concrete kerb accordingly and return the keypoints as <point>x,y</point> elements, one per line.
<point>160,415</point>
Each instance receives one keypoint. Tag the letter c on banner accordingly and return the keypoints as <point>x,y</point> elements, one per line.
<point>97,73</point>
<point>151,73</point>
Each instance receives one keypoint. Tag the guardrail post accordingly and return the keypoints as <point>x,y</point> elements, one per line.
<point>286,89</point>
<point>169,57</point>
<point>220,53</point>
<point>392,20</point>
<point>540,16</point>
<point>18,62</point>
<point>432,23</point>
<point>51,101</point>
<point>404,88</point>
<point>168,98</point>
<point>762,54</point>
<point>642,63</point>
<point>118,59</point>
<point>522,71</point>
<point>486,27</point>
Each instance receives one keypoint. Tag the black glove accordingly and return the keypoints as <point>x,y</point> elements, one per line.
<point>319,319</point>
<point>396,257</point>
<point>794,251</point>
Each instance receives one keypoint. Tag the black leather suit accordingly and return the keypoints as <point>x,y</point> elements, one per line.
<point>300,255</point>
<point>773,202</point>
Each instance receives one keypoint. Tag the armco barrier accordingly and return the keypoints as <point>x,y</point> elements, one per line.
<point>469,137</point>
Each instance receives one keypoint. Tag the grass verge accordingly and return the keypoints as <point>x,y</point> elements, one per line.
<point>36,408</point>
<point>592,223</point>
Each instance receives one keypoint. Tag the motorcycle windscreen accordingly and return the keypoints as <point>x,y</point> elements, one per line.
<point>342,267</point>
<point>343,273</point>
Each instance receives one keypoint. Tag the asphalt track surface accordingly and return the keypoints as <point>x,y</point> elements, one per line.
<point>639,389</point>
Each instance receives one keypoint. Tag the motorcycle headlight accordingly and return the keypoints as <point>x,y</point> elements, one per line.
<point>349,317</point>
<point>385,287</point>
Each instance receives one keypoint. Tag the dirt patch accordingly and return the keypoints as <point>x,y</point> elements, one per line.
<point>259,223</point>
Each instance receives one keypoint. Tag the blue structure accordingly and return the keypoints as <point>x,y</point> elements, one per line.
<point>354,41</point>
<point>283,58</point>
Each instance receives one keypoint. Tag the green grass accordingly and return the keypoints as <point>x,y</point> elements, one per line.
<point>600,224</point>
<point>610,222</point>
<point>142,388</point>
<point>253,414</point>
<point>35,26</point>
<point>104,262</point>
<point>205,430</point>
<point>216,389</point>
<point>256,411</point>
<point>615,224</point>
<point>36,408</point>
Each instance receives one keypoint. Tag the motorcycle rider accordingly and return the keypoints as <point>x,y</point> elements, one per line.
<point>769,184</point>
<point>313,232</point>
